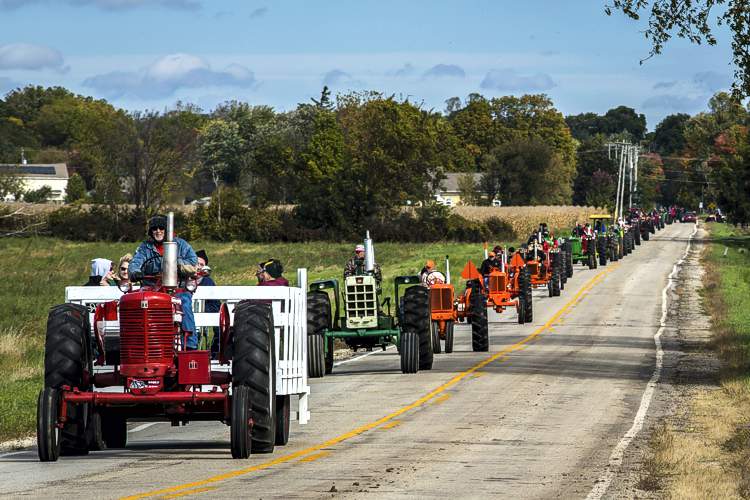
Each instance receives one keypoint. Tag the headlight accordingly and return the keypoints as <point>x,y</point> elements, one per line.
<point>124,286</point>
<point>191,285</point>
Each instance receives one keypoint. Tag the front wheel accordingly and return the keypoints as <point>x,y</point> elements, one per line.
<point>47,431</point>
<point>436,337</point>
<point>241,428</point>
<point>283,410</point>
<point>409,352</point>
<point>449,337</point>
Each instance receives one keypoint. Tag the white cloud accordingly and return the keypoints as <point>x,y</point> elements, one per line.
<point>30,57</point>
<point>509,80</point>
<point>168,74</point>
<point>445,70</point>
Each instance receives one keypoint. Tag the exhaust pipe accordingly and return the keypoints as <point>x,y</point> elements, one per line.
<point>369,254</point>
<point>447,270</point>
<point>169,259</point>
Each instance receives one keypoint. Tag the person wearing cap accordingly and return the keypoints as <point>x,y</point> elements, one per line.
<point>269,273</point>
<point>100,269</point>
<point>488,264</point>
<point>356,265</point>
<point>429,267</point>
<point>147,262</point>
<point>210,306</point>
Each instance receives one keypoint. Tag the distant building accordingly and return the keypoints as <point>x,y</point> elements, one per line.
<point>448,192</point>
<point>35,176</point>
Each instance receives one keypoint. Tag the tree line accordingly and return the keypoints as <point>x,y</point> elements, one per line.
<point>364,155</point>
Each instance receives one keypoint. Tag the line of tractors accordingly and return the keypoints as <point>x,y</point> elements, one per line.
<point>113,356</point>
<point>420,321</point>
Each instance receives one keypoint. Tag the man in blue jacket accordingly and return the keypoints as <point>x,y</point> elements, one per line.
<point>147,262</point>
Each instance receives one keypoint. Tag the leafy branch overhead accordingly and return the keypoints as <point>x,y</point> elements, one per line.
<point>693,20</point>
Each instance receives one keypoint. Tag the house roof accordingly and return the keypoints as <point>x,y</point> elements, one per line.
<point>37,170</point>
<point>450,183</point>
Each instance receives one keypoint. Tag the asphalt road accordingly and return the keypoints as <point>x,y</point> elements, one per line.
<point>534,418</point>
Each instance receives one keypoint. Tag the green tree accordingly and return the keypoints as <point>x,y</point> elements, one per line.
<point>11,184</point>
<point>469,190</point>
<point>75,190</point>
<point>221,149</point>
<point>40,195</point>
<point>669,135</point>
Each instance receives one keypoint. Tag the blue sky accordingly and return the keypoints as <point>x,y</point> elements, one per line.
<point>142,54</point>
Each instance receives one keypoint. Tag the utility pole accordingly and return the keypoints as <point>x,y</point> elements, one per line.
<point>627,171</point>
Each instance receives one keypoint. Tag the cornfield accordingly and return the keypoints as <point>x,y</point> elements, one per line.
<point>524,220</point>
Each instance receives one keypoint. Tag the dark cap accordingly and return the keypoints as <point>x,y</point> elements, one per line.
<point>273,267</point>
<point>157,221</point>
<point>202,254</point>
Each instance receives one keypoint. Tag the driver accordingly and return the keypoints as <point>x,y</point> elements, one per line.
<point>147,262</point>
<point>356,265</point>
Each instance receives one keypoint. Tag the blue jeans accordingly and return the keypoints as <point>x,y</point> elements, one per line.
<point>188,319</point>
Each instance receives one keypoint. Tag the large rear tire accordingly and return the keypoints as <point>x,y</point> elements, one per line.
<point>526,292</point>
<point>318,320</point>
<point>569,263</point>
<point>68,362</point>
<point>417,319</point>
<point>555,281</point>
<point>480,337</point>
<point>254,367</point>
<point>521,311</point>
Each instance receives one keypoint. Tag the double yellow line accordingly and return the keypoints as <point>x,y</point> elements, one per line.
<point>200,486</point>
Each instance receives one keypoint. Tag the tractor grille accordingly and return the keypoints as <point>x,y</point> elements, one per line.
<point>497,283</point>
<point>441,298</point>
<point>533,268</point>
<point>146,336</point>
<point>361,302</point>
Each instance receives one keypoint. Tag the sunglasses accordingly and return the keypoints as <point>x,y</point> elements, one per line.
<point>123,268</point>
<point>160,228</point>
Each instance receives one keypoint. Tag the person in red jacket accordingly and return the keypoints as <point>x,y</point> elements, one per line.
<point>269,273</point>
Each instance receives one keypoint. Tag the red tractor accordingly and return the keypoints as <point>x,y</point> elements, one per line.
<point>136,366</point>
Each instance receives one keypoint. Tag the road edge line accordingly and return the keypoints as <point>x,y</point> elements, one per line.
<point>615,459</point>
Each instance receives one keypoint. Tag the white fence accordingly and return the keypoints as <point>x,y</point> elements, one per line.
<point>289,306</point>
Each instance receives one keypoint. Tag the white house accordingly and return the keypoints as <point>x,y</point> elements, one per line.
<point>35,176</point>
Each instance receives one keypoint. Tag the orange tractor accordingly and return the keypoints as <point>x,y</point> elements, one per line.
<point>544,263</point>
<point>506,287</point>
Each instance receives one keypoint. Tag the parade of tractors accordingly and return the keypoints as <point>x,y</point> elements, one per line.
<point>123,354</point>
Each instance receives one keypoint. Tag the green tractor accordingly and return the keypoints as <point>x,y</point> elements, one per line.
<point>583,248</point>
<point>363,319</point>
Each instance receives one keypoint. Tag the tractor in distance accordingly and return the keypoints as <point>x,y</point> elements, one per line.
<point>360,317</point>
<point>131,363</point>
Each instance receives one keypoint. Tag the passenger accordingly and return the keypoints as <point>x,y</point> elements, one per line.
<point>211,306</point>
<point>356,265</point>
<point>115,277</point>
<point>269,273</point>
<point>148,261</point>
<point>100,269</point>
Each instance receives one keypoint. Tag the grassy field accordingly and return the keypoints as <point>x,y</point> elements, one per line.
<point>708,456</point>
<point>36,271</point>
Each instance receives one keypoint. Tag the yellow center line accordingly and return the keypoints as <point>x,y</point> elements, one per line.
<point>521,344</point>
<point>312,458</point>
<point>391,424</point>
<point>441,399</point>
<point>189,492</point>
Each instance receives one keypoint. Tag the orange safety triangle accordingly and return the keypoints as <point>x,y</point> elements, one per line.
<point>470,272</point>
<point>516,261</point>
